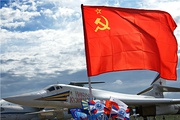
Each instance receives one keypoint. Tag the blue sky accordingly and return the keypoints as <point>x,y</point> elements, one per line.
<point>42,43</point>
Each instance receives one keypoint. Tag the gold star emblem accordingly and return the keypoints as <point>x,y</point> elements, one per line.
<point>98,11</point>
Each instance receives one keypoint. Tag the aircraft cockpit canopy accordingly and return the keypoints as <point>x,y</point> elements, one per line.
<point>55,87</point>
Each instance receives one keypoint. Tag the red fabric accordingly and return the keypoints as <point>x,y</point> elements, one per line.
<point>129,39</point>
<point>108,106</point>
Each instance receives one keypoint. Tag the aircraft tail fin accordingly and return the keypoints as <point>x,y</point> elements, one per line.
<point>158,80</point>
<point>158,87</point>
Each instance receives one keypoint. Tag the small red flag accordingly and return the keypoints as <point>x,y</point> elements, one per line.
<point>109,104</point>
<point>129,39</point>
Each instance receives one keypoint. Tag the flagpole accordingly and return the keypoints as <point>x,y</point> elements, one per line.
<point>90,89</point>
<point>110,110</point>
<point>86,49</point>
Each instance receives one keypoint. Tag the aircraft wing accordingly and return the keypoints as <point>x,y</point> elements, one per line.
<point>162,88</point>
<point>43,112</point>
<point>151,101</point>
<point>61,114</point>
<point>81,84</point>
<point>148,101</point>
<point>135,99</point>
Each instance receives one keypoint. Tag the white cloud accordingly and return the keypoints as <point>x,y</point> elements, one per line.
<point>44,51</point>
<point>13,24</point>
<point>11,18</point>
<point>47,12</point>
<point>118,82</point>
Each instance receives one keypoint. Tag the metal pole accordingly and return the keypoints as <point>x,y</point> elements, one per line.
<point>90,89</point>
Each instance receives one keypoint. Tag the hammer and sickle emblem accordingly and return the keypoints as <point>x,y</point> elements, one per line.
<point>104,26</point>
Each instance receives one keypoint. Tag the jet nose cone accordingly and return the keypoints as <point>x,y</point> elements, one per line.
<point>25,99</point>
<point>15,99</point>
<point>18,99</point>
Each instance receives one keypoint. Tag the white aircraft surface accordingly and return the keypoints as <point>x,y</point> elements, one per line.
<point>149,102</point>
<point>11,111</point>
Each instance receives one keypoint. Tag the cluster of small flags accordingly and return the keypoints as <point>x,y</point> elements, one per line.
<point>101,110</point>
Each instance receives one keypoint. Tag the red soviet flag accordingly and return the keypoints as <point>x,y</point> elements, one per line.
<point>129,39</point>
